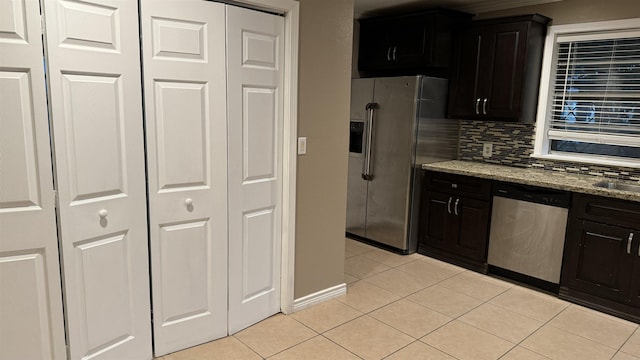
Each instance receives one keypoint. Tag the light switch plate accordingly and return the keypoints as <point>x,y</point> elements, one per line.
<point>302,145</point>
<point>487,150</point>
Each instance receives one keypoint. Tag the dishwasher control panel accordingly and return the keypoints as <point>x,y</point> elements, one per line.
<point>532,194</point>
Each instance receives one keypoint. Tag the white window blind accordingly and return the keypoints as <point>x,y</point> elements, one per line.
<point>596,91</point>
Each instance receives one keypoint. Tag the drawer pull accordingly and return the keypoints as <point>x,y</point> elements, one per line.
<point>629,242</point>
<point>449,205</point>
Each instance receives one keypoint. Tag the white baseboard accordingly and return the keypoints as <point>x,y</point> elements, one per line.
<point>319,297</point>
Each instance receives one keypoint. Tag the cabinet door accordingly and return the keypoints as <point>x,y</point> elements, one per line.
<point>375,51</point>
<point>411,43</point>
<point>502,70</point>
<point>464,94</point>
<point>598,260</point>
<point>473,221</point>
<point>635,275</point>
<point>441,226</point>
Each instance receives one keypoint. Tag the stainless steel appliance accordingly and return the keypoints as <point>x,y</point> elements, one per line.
<point>527,233</point>
<point>397,124</point>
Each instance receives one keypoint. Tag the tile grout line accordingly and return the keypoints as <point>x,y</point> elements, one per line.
<point>247,345</point>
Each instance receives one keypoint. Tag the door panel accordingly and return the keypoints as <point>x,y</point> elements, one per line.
<point>31,320</point>
<point>184,68</point>
<point>600,264</point>
<point>182,244</point>
<point>503,88</point>
<point>91,105</point>
<point>474,222</point>
<point>181,133</point>
<point>393,147</point>
<point>96,114</point>
<point>465,88</point>
<point>255,105</point>
<point>437,220</point>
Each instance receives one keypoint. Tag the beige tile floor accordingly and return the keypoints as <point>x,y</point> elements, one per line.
<point>413,307</point>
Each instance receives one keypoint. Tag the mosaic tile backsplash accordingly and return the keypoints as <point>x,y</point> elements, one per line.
<point>513,145</point>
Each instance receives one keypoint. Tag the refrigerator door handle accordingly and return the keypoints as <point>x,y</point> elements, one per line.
<point>366,171</point>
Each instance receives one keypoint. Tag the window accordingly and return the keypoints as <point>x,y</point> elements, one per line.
<point>590,94</point>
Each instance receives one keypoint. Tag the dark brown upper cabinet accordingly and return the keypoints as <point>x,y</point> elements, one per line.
<point>418,43</point>
<point>497,74</point>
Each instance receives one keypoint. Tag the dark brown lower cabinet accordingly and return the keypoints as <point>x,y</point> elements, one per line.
<point>455,219</point>
<point>601,267</point>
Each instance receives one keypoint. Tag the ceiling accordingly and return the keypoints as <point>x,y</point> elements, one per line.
<point>366,8</point>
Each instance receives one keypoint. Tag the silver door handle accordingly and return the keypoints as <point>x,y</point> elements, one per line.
<point>478,106</point>
<point>449,205</point>
<point>629,242</point>
<point>455,207</point>
<point>394,52</point>
<point>484,106</point>
<point>389,53</point>
<point>366,171</point>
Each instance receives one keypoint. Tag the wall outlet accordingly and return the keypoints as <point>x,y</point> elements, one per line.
<point>487,150</point>
<point>302,145</point>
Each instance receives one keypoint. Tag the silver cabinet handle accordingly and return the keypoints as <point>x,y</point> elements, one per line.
<point>477,106</point>
<point>455,207</point>
<point>629,242</point>
<point>366,168</point>
<point>389,53</point>
<point>449,205</point>
<point>484,106</point>
<point>394,52</point>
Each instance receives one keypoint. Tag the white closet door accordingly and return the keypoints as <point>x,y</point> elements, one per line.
<point>96,103</point>
<point>31,323</point>
<point>185,94</point>
<point>255,55</point>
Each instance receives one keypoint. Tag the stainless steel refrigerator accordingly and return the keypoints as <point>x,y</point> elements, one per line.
<point>397,124</point>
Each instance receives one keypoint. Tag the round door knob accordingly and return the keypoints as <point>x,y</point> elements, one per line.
<point>103,213</point>
<point>188,201</point>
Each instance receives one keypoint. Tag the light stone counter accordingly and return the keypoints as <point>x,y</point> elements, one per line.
<point>530,176</point>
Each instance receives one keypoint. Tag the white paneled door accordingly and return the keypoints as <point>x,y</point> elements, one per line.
<point>185,94</point>
<point>96,110</point>
<point>255,52</point>
<point>31,323</point>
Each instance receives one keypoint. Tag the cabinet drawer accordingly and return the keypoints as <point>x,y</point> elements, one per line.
<point>605,210</point>
<point>459,185</point>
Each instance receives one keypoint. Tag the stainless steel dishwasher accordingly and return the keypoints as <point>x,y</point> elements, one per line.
<point>527,233</point>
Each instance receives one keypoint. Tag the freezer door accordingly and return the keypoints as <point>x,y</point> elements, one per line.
<point>361,95</point>
<point>392,152</point>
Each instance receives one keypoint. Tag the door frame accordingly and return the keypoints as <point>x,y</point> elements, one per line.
<point>291,11</point>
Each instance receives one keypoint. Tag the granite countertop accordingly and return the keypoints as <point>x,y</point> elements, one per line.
<point>535,177</point>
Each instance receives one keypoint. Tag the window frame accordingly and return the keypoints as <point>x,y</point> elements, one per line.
<point>542,144</point>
